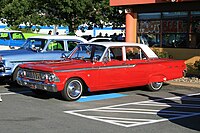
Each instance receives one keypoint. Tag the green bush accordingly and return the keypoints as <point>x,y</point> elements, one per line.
<point>197,64</point>
<point>161,54</point>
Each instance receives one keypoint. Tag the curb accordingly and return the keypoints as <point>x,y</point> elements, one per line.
<point>184,84</point>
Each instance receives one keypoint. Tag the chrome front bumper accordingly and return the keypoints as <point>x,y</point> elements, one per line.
<point>36,85</point>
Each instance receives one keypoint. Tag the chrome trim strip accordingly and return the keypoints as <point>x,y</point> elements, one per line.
<point>26,61</point>
<point>97,68</point>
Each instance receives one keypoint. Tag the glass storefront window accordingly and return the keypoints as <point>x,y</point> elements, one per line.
<point>179,29</point>
<point>152,40</point>
<point>149,26</point>
<point>149,16</point>
<point>174,26</point>
<point>194,40</point>
<point>195,26</point>
<point>195,13</point>
<point>174,40</point>
<point>174,14</point>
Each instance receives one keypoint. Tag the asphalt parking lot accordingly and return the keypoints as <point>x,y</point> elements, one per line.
<point>172,109</point>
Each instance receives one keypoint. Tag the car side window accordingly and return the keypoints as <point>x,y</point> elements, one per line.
<point>134,53</point>
<point>4,36</point>
<point>17,36</point>
<point>114,53</point>
<point>55,45</point>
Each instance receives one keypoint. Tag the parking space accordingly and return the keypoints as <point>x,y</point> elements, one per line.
<point>144,112</point>
<point>174,109</point>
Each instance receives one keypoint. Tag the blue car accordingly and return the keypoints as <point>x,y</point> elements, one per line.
<point>37,48</point>
<point>11,39</point>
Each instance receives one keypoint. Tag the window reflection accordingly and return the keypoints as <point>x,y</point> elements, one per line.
<point>170,29</point>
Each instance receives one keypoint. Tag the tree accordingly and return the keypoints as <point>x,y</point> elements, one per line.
<point>104,14</point>
<point>70,13</point>
<point>15,12</point>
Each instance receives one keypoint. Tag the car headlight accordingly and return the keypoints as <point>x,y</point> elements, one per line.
<point>53,78</point>
<point>21,73</point>
<point>44,76</point>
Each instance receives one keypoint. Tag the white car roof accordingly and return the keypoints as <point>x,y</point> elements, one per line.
<point>60,37</point>
<point>10,31</point>
<point>99,38</point>
<point>145,48</point>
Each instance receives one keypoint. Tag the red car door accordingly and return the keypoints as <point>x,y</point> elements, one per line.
<point>112,75</point>
<point>139,72</point>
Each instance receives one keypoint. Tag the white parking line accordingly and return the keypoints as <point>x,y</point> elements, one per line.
<point>169,111</point>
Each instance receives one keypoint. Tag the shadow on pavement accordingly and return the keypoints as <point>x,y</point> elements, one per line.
<point>14,87</point>
<point>183,111</point>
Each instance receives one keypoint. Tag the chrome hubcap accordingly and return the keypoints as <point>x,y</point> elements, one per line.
<point>156,85</point>
<point>74,89</point>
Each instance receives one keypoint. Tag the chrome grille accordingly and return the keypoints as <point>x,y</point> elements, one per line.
<point>34,75</point>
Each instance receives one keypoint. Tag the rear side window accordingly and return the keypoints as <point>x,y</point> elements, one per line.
<point>135,53</point>
<point>55,45</point>
<point>17,36</point>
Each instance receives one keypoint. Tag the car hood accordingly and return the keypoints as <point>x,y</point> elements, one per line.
<point>15,52</point>
<point>53,66</point>
<point>9,53</point>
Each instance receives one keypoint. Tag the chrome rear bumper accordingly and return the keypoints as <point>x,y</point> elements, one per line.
<point>36,85</point>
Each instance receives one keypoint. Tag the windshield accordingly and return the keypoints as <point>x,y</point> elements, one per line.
<point>35,44</point>
<point>87,52</point>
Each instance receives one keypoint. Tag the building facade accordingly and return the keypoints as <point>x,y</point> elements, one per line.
<point>170,25</point>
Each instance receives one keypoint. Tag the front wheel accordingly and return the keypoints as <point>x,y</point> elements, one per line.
<point>73,89</point>
<point>155,86</point>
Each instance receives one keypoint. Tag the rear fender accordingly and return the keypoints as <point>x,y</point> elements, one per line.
<point>157,78</point>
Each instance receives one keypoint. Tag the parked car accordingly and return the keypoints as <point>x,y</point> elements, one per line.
<point>100,66</point>
<point>11,39</point>
<point>35,49</point>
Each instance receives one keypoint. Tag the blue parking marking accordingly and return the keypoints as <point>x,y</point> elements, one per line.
<point>100,97</point>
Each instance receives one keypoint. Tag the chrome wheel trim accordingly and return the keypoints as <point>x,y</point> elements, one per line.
<point>74,89</point>
<point>156,85</point>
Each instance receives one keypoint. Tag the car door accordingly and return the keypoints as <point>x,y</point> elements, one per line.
<point>4,38</point>
<point>112,73</point>
<point>53,50</point>
<point>139,66</point>
<point>17,39</point>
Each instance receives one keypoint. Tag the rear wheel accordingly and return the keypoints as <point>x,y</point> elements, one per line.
<point>155,86</point>
<point>73,89</point>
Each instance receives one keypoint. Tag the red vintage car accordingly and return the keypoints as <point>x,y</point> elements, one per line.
<point>100,66</point>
